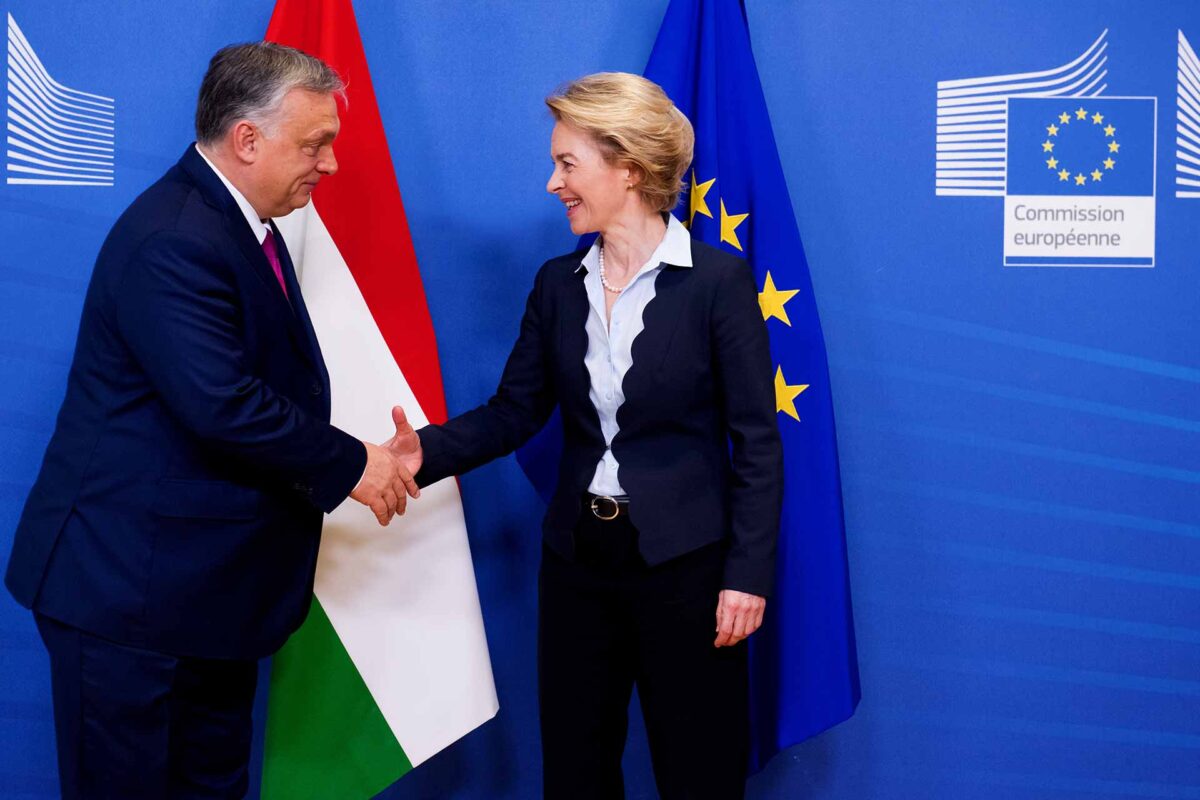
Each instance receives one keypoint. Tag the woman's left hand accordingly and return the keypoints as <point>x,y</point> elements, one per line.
<point>738,615</point>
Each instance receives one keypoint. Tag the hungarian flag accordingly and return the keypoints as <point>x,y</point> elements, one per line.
<point>392,664</point>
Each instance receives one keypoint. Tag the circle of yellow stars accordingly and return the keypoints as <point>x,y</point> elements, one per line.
<point>771,300</point>
<point>1064,119</point>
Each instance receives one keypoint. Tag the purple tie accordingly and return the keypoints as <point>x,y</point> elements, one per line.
<point>268,246</point>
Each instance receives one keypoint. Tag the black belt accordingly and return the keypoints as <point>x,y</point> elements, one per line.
<point>606,507</point>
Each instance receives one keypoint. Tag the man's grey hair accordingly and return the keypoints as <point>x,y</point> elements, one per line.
<point>249,81</point>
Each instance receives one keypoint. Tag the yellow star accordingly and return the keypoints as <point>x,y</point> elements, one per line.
<point>1113,147</point>
<point>1064,175</point>
<point>1047,146</point>
<point>785,395</point>
<point>1097,175</point>
<point>1080,113</point>
<point>729,223</point>
<point>1064,118</point>
<point>771,301</point>
<point>1051,162</point>
<point>1109,130</point>
<point>696,199</point>
<point>1097,118</point>
<point>1080,180</point>
<point>1109,163</point>
<point>1052,130</point>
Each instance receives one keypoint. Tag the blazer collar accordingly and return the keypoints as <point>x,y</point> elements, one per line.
<point>214,192</point>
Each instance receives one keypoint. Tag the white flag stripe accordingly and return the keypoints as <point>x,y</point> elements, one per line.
<point>1186,181</point>
<point>402,599</point>
<point>1189,170</point>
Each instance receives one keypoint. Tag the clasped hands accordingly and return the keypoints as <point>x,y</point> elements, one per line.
<point>388,480</point>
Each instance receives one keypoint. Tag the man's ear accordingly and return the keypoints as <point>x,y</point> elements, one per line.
<point>245,141</point>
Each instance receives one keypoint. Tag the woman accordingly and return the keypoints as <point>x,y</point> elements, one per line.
<point>668,496</point>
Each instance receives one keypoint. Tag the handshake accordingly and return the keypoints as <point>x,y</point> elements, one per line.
<point>388,479</point>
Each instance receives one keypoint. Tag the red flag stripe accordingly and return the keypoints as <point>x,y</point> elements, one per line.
<point>361,205</point>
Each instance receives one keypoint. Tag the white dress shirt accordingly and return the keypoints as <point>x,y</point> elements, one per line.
<point>610,346</point>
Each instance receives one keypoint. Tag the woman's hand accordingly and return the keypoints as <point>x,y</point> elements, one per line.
<point>738,615</point>
<point>405,446</point>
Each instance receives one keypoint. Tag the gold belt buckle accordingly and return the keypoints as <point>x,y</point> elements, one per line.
<point>596,511</point>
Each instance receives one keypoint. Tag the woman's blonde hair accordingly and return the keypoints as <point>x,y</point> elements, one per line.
<point>635,123</point>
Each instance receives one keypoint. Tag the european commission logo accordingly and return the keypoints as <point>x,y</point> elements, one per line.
<point>57,136</point>
<point>1076,167</point>
<point>1080,184</point>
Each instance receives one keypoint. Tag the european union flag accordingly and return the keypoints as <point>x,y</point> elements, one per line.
<point>1081,146</point>
<point>804,666</point>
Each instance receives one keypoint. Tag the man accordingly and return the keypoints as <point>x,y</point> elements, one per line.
<point>171,537</point>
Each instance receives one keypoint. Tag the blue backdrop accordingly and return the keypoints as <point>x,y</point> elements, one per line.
<point>1020,446</point>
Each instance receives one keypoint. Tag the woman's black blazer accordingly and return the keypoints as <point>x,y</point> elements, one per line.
<point>699,451</point>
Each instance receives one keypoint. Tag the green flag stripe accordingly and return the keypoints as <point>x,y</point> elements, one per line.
<point>326,737</point>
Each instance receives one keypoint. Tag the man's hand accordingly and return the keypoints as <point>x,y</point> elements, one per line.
<point>738,615</point>
<point>405,446</point>
<point>385,484</point>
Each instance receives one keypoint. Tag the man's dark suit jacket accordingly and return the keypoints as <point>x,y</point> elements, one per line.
<point>698,447</point>
<point>180,500</point>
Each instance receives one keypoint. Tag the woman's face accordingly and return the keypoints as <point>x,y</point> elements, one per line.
<point>594,192</point>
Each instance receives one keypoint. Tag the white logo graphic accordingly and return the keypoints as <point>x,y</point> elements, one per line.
<point>1187,125</point>
<point>972,118</point>
<point>57,136</point>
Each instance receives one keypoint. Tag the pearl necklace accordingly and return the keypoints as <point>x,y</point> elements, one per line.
<point>604,280</point>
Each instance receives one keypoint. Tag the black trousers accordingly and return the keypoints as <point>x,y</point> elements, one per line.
<point>607,621</point>
<point>133,723</point>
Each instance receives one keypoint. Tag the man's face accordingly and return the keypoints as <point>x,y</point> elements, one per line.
<point>298,152</point>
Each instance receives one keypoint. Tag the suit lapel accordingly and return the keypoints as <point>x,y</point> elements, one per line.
<point>248,247</point>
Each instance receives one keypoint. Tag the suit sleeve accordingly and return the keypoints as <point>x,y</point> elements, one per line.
<point>743,365</point>
<point>179,312</point>
<point>520,407</point>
